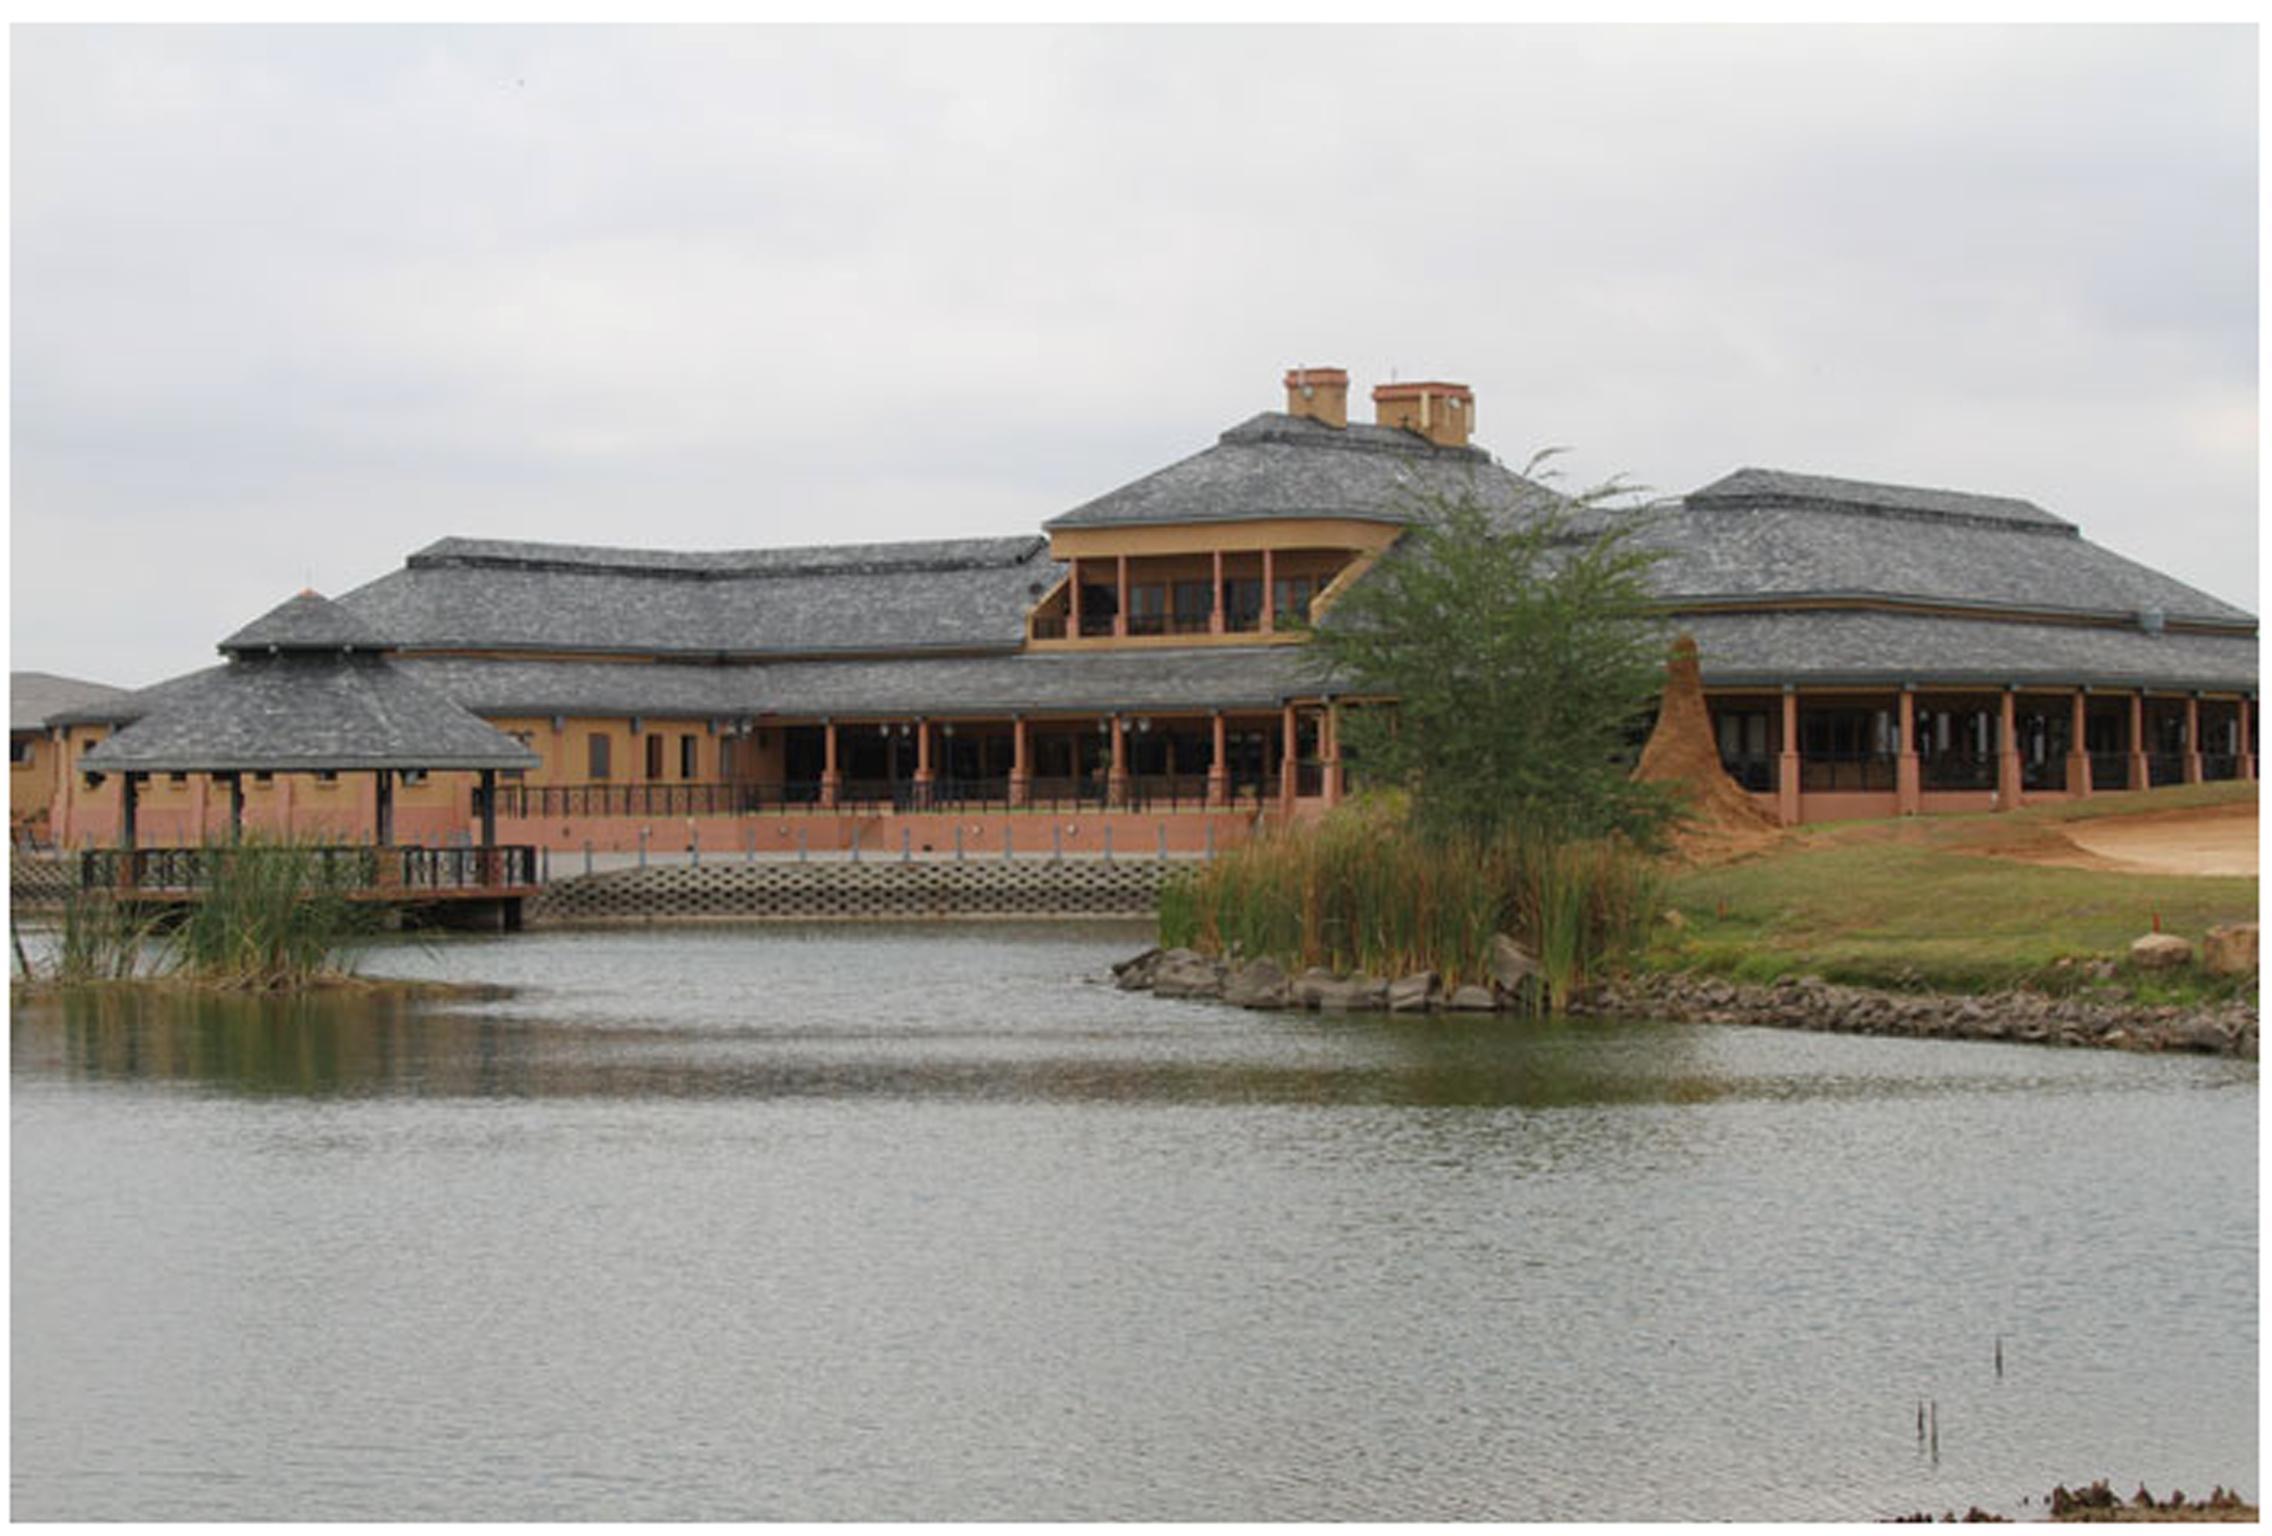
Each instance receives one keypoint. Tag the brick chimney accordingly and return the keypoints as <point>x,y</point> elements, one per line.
<point>1442,413</point>
<point>1321,394</point>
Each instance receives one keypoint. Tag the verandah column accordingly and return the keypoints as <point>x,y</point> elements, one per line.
<point>1329,751</point>
<point>1116,783</point>
<point>2193,738</point>
<point>1269,589</point>
<point>1073,603</point>
<point>922,761</point>
<point>1120,587</point>
<point>831,778</point>
<point>1907,800</point>
<point>2247,757</point>
<point>1021,760</point>
<point>1219,765</point>
<point>1288,758</point>
<point>1215,614</point>
<point>2141,772</point>
<point>1787,761</point>
<point>2078,746</point>
<point>2008,753</point>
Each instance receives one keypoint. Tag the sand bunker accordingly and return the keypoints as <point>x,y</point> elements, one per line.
<point>2216,841</point>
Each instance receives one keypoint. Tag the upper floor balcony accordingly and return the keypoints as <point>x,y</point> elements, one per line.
<point>1189,598</point>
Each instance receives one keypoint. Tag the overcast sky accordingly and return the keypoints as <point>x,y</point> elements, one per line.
<point>289,304</point>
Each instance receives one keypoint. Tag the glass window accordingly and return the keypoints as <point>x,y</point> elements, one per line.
<point>596,756</point>
<point>689,757</point>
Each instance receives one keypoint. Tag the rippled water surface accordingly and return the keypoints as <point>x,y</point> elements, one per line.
<point>858,1223</point>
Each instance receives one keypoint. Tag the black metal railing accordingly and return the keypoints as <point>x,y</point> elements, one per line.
<point>2109,770</point>
<point>1871,771</point>
<point>330,867</point>
<point>1956,770</point>
<point>2051,773</point>
<point>1182,791</point>
<point>1096,624</point>
<point>2216,767</point>
<point>2165,768</point>
<point>1049,627</point>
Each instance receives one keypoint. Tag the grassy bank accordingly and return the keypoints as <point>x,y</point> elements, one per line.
<point>1360,891</point>
<point>1957,903</point>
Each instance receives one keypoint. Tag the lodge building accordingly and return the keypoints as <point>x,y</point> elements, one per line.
<point>1867,650</point>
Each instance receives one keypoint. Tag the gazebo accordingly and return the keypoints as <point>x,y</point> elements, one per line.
<point>307,688</point>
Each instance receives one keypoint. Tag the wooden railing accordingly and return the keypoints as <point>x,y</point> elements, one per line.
<point>345,867</point>
<point>1146,792</point>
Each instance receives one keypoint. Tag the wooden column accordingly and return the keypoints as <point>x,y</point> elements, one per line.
<point>382,808</point>
<point>1907,795</point>
<point>2008,753</point>
<point>1215,614</point>
<point>1787,762</point>
<point>923,774</point>
<point>129,798</point>
<point>1073,603</point>
<point>488,807</point>
<point>2247,757</point>
<point>2141,772</point>
<point>67,787</point>
<point>1289,762</point>
<point>1219,766</point>
<point>2193,738</point>
<point>1120,587</point>
<point>2078,747</point>
<point>1269,592</point>
<point>1329,751</point>
<point>831,777</point>
<point>1021,760</point>
<point>1116,783</point>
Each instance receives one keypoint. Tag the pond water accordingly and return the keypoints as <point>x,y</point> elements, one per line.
<point>780,1224</point>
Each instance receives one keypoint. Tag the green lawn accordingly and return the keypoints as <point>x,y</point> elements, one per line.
<point>1926,903</point>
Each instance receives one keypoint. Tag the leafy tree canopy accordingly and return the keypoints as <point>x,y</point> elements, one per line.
<point>1521,654</point>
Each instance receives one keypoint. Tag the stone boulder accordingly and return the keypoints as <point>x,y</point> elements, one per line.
<point>1258,984</point>
<point>1471,999</point>
<point>1187,973</point>
<point>1309,987</point>
<point>1512,965</point>
<point>2229,949</point>
<point>1135,973</point>
<point>1359,994</point>
<point>1412,994</point>
<point>2160,952</point>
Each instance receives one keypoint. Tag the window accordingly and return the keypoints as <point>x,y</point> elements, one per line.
<point>1294,593</point>
<point>1242,603</point>
<point>1148,609</point>
<point>326,777</point>
<point>1193,600</point>
<point>654,756</point>
<point>596,757</point>
<point>416,776</point>
<point>690,757</point>
<point>20,748</point>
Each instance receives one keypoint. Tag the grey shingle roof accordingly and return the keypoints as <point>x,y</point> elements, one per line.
<point>1769,649</point>
<point>34,696</point>
<point>302,712</point>
<point>959,595</point>
<point>308,622</point>
<point>1277,466</point>
<point>1746,550</point>
<point>1259,677</point>
<point>1783,488</point>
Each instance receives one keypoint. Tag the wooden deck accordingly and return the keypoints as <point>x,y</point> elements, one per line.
<point>482,887</point>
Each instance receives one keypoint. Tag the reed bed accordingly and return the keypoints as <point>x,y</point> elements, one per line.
<point>272,918</point>
<point>1361,891</point>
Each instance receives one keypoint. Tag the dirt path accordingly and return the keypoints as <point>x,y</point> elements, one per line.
<point>2217,841</point>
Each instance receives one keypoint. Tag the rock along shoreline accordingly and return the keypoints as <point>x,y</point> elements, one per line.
<point>1806,1003</point>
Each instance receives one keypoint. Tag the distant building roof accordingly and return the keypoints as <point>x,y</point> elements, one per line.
<point>33,696</point>
<point>1783,488</point>
<point>1280,466</point>
<point>958,595</point>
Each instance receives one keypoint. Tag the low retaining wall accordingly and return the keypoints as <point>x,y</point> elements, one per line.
<point>1036,888</point>
<point>38,882</point>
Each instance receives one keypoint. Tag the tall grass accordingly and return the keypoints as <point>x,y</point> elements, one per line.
<point>272,917</point>
<point>1360,891</point>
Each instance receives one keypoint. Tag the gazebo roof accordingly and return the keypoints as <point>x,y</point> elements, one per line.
<point>305,690</point>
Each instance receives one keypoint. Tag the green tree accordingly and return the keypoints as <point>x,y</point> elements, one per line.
<point>1520,653</point>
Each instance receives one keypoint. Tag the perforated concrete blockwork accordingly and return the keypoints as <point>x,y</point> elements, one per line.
<point>37,882</point>
<point>896,891</point>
